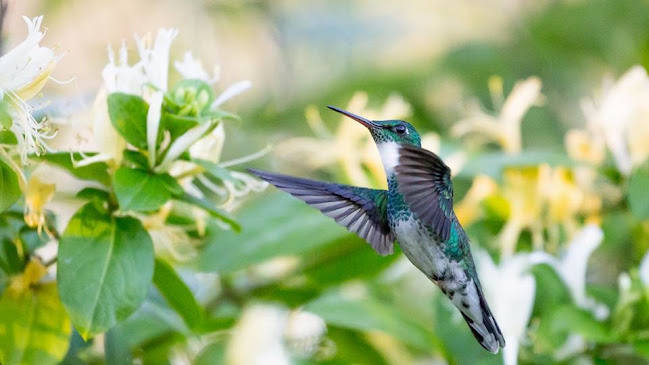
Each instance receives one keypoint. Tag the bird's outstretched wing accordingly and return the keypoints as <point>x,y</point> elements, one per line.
<point>425,182</point>
<point>362,211</point>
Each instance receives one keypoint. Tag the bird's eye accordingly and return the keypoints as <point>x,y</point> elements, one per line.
<point>401,129</point>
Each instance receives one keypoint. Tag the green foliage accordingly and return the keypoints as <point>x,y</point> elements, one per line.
<point>638,198</point>
<point>97,171</point>
<point>141,191</point>
<point>8,138</point>
<point>174,290</point>
<point>367,313</point>
<point>271,229</point>
<point>34,327</point>
<point>6,120</point>
<point>128,116</point>
<point>9,186</point>
<point>105,267</point>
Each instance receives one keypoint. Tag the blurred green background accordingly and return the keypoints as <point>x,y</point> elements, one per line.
<point>261,286</point>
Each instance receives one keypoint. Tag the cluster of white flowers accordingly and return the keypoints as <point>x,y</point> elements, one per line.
<point>24,70</point>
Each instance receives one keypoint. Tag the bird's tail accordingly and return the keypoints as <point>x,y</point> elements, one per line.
<point>486,332</point>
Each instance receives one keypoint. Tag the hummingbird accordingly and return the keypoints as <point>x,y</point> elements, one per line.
<point>416,211</point>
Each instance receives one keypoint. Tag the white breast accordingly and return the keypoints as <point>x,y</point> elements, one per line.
<point>389,152</point>
<point>419,248</point>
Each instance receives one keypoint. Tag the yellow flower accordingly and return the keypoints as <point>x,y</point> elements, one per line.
<point>33,273</point>
<point>170,242</point>
<point>522,188</point>
<point>585,146</point>
<point>505,127</point>
<point>564,202</point>
<point>467,210</point>
<point>37,195</point>
<point>540,199</point>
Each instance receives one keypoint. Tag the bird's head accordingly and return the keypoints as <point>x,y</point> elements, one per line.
<point>398,131</point>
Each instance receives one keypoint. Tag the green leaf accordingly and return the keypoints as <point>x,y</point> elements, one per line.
<point>9,186</point>
<point>105,265</point>
<point>93,194</point>
<point>8,137</point>
<point>349,252</point>
<point>212,210</point>
<point>6,120</point>
<point>367,314</point>
<point>136,159</point>
<point>128,115</point>
<point>34,328</point>
<point>638,197</point>
<point>140,190</point>
<point>571,319</point>
<point>274,225</point>
<point>177,125</point>
<point>213,353</point>
<point>177,294</point>
<point>352,348</point>
<point>97,171</point>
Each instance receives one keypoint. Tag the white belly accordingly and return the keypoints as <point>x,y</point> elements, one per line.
<point>420,249</point>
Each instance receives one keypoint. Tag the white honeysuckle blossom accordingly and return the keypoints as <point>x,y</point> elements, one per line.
<point>119,76</point>
<point>153,124</point>
<point>644,269</point>
<point>572,265</point>
<point>620,117</point>
<point>510,291</point>
<point>505,127</point>
<point>24,70</point>
<point>154,57</point>
<point>268,334</point>
<point>209,148</point>
<point>257,337</point>
<point>510,288</point>
<point>192,68</point>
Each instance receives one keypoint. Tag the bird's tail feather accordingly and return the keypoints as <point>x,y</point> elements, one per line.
<point>487,333</point>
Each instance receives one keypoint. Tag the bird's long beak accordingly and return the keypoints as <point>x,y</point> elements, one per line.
<point>366,122</point>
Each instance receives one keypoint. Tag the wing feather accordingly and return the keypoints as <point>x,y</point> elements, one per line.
<point>425,182</point>
<point>360,210</point>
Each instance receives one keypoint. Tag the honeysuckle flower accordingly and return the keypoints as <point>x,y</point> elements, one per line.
<point>152,125</point>
<point>572,265</point>
<point>257,337</point>
<point>37,195</point>
<point>268,334</point>
<point>564,201</point>
<point>240,184</point>
<point>232,91</point>
<point>192,68</point>
<point>620,117</point>
<point>119,76</point>
<point>467,210</point>
<point>24,70</point>
<point>644,269</point>
<point>585,146</point>
<point>34,272</point>
<point>505,127</point>
<point>303,333</point>
<point>523,190</point>
<point>154,56</point>
<point>510,290</point>
<point>170,242</point>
